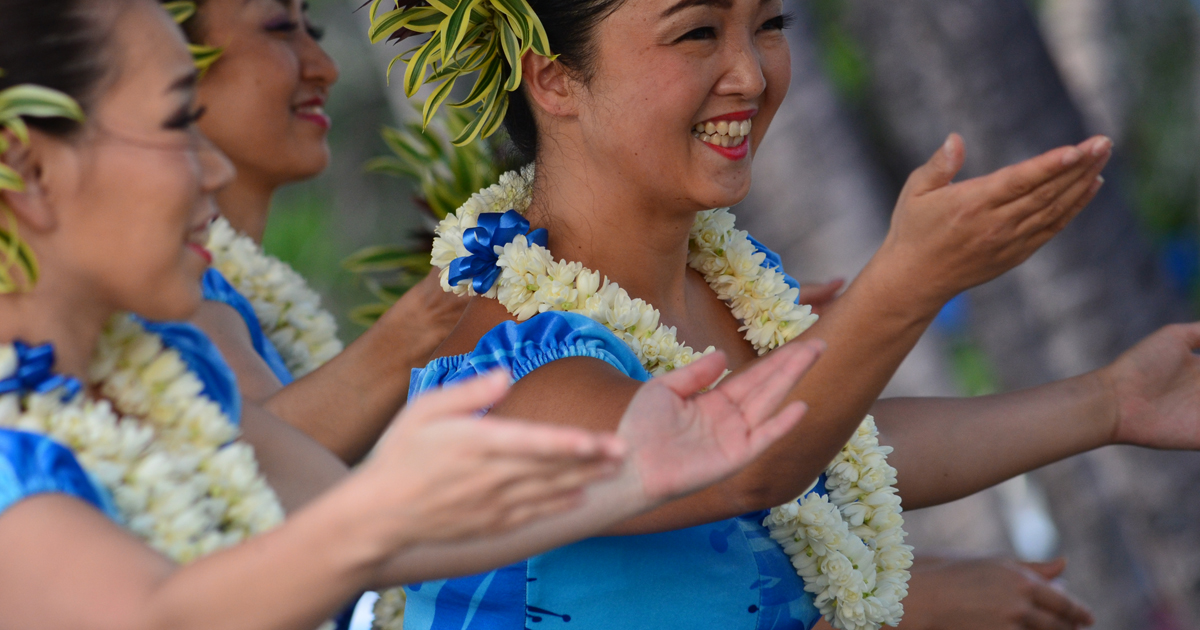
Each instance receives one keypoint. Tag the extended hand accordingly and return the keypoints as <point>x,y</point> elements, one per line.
<point>948,237</point>
<point>989,594</point>
<point>1156,390</point>
<point>441,473</point>
<point>683,441</point>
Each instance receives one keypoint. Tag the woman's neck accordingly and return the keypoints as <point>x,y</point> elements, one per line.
<point>246,203</point>
<point>595,218</point>
<point>66,319</point>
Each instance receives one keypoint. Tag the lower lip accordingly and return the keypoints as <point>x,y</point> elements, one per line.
<point>201,252</point>
<point>321,120</point>
<point>734,154</point>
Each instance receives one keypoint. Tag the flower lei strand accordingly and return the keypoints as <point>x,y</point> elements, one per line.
<point>848,546</point>
<point>288,309</point>
<point>155,443</point>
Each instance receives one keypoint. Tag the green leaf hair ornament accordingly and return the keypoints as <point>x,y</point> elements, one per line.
<point>15,103</point>
<point>204,56</point>
<point>486,37</point>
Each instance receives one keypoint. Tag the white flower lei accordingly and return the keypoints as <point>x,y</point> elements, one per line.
<point>287,308</point>
<point>849,546</point>
<point>166,454</point>
<point>158,446</point>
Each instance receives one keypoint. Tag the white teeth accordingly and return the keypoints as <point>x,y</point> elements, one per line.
<point>724,133</point>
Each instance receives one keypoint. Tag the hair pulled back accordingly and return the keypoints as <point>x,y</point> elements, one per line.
<point>58,44</point>
<point>570,25</point>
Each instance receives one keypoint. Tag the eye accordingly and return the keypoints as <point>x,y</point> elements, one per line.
<point>779,23</point>
<point>314,31</point>
<point>699,34</point>
<point>185,118</point>
<point>283,25</point>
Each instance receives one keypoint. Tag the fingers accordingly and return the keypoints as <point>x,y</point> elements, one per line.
<point>770,382</point>
<point>499,437</point>
<point>767,433</point>
<point>1062,606</point>
<point>691,379</point>
<point>552,483</point>
<point>817,295</point>
<point>1057,199</point>
<point>1014,182</point>
<point>458,400</point>
<point>1048,570</point>
<point>526,513</point>
<point>940,170</point>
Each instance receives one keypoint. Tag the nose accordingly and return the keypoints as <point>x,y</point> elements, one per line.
<point>743,76</point>
<point>216,170</point>
<point>316,65</point>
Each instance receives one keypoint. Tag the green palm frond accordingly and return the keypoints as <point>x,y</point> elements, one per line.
<point>488,37</point>
<point>203,56</point>
<point>16,103</point>
<point>445,176</point>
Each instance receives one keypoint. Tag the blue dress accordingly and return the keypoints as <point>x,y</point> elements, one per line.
<point>32,464</point>
<point>218,289</point>
<point>727,575</point>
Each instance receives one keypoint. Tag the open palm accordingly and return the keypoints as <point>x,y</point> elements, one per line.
<point>1156,385</point>
<point>683,440</point>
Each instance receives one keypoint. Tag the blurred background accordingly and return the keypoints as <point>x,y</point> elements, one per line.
<point>877,85</point>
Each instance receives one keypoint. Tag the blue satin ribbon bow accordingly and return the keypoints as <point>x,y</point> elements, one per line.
<point>495,230</point>
<point>35,374</point>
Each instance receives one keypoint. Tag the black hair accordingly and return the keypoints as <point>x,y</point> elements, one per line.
<point>58,44</point>
<point>570,26</point>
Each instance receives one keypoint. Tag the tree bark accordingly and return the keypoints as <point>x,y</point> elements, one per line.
<point>980,67</point>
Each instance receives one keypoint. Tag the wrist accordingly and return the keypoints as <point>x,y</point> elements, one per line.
<point>1107,406</point>
<point>897,287</point>
<point>364,541</point>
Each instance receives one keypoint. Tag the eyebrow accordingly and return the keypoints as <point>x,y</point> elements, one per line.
<point>185,82</point>
<point>687,4</point>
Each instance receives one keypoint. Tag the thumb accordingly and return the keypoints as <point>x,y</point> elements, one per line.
<point>940,170</point>
<point>1048,570</point>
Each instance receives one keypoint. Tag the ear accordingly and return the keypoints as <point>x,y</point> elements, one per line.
<point>30,205</point>
<point>549,86</point>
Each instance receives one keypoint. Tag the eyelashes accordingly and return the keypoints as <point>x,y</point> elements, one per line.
<point>290,26</point>
<point>777,23</point>
<point>185,119</point>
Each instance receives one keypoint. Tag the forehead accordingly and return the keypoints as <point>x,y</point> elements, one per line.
<point>149,56</point>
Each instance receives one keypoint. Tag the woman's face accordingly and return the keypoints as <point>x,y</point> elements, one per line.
<point>670,73</point>
<point>130,200</point>
<point>266,94</point>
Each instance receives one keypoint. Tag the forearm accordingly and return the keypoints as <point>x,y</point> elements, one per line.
<point>946,449</point>
<point>869,331</point>
<point>294,578</point>
<point>347,403</point>
<point>603,505</point>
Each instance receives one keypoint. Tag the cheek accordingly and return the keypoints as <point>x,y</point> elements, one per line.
<point>249,95</point>
<point>134,243</point>
<point>777,70</point>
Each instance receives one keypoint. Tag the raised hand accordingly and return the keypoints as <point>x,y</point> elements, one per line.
<point>947,237</point>
<point>442,473</point>
<point>682,440</point>
<point>989,594</point>
<point>1155,389</point>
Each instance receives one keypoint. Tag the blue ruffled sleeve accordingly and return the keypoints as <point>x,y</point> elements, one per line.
<point>218,289</point>
<point>205,361</point>
<point>524,347</point>
<point>32,464</point>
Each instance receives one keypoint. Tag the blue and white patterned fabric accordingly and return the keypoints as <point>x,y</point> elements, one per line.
<point>727,575</point>
<point>32,464</point>
<point>218,289</point>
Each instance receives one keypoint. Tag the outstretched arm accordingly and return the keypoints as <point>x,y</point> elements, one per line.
<point>946,449</point>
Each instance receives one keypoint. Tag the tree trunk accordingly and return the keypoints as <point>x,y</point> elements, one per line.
<point>980,67</point>
<point>821,201</point>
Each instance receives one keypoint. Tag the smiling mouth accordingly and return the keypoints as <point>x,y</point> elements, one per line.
<point>314,112</point>
<point>725,133</point>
